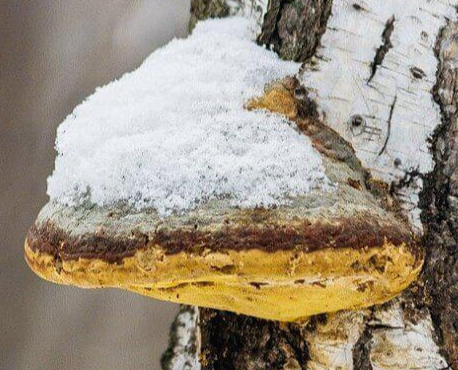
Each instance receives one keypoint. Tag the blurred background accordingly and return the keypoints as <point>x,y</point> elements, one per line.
<point>53,54</point>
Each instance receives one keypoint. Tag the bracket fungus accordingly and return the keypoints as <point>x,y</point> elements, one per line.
<point>323,250</point>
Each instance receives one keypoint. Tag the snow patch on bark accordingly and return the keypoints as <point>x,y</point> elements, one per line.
<point>372,78</point>
<point>174,133</point>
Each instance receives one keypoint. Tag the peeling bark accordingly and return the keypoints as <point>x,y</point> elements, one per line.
<point>385,77</point>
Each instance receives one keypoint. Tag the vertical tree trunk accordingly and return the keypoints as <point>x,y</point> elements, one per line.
<point>383,74</point>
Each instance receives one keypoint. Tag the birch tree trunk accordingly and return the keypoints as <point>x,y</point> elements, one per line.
<point>383,74</point>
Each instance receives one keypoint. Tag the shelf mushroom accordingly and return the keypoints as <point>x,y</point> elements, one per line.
<point>322,251</point>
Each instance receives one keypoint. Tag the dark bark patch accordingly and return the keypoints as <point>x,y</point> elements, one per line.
<point>293,28</point>
<point>362,349</point>
<point>358,7</point>
<point>204,9</point>
<point>388,134</point>
<point>417,73</point>
<point>440,205</point>
<point>383,49</point>
<point>231,341</point>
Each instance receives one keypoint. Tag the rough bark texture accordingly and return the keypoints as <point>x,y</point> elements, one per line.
<point>440,203</point>
<point>293,28</point>
<point>204,9</point>
<point>231,341</point>
<point>418,330</point>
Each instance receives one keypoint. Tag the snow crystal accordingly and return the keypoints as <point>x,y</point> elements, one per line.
<point>173,134</point>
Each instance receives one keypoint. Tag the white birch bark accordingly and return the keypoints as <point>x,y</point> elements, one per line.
<point>392,102</point>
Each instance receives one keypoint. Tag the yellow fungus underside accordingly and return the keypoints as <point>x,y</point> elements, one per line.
<point>287,285</point>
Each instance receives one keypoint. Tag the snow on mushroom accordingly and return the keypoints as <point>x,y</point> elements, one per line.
<point>272,217</point>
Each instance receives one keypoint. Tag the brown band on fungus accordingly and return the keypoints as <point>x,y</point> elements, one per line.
<point>364,231</point>
<point>56,242</point>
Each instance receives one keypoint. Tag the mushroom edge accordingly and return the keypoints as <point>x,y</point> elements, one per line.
<point>283,285</point>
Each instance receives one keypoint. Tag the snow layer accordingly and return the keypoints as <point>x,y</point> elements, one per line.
<point>174,134</point>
